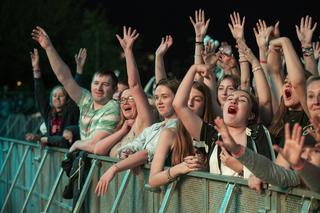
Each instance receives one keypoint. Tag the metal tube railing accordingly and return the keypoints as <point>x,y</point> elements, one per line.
<point>6,159</point>
<point>15,179</point>
<point>273,193</point>
<point>34,180</point>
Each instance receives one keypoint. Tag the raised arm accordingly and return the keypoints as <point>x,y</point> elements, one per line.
<point>80,60</point>
<point>294,68</point>
<point>144,117</point>
<point>200,26</point>
<point>210,58</point>
<point>237,30</point>
<point>316,52</point>
<point>160,70</point>
<point>275,68</point>
<point>263,90</point>
<point>190,120</point>
<point>40,94</point>
<point>60,69</point>
<point>305,33</point>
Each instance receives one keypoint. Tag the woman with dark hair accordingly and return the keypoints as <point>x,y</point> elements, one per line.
<point>176,149</point>
<point>294,107</point>
<point>239,111</point>
<point>60,113</point>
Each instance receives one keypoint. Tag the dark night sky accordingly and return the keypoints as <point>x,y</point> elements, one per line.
<point>154,19</point>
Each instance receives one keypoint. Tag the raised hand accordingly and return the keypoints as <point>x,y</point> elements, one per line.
<point>262,33</point>
<point>80,59</point>
<point>246,52</point>
<point>237,26</point>
<point>305,31</point>
<point>166,43</point>
<point>35,60</point>
<point>316,49</point>
<point>202,69</point>
<point>293,145</point>
<point>228,142</point>
<point>200,25</point>
<point>129,37</point>
<point>275,33</point>
<point>38,34</point>
<point>209,56</point>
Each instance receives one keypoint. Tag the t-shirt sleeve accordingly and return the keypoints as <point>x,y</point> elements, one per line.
<point>84,97</point>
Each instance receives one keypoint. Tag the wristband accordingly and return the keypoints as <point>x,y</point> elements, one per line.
<point>256,69</point>
<point>299,167</point>
<point>263,62</point>
<point>239,153</point>
<point>307,51</point>
<point>170,178</point>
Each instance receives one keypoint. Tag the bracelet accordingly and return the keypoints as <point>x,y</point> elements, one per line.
<point>170,178</point>
<point>37,70</point>
<point>242,61</point>
<point>256,69</point>
<point>307,51</point>
<point>117,167</point>
<point>197,55</point>
<point>239,153</point>
<point>299,167</point>
<point>199,42</point>
<point>263,62</point>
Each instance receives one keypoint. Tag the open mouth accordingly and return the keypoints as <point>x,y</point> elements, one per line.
<point>287,93</point>
<point>232,110</point>
<point>126,109</point>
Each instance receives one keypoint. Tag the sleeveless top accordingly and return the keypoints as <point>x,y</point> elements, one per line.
<point>129,137</point>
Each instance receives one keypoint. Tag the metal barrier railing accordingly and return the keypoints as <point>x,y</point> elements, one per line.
<point>195,192</point>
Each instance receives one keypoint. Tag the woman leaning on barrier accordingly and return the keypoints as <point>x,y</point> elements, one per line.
<point>59,112</point>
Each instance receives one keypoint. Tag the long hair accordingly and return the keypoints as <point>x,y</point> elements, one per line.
<point>208,108</point>
<point>64,92</point>
<point>122,118</point>
<point>278,120</point>
<point>277,123</point>
<point>183,145</point>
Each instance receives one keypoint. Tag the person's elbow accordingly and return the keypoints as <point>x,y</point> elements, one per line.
<point>153,183</point>
<point>177,105</point>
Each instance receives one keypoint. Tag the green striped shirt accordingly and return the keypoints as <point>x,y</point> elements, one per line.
<point>104,119</point>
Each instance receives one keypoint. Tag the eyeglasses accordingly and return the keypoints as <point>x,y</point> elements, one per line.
<point>124,100</point>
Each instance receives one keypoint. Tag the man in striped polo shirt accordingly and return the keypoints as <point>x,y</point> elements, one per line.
<point>99,113</point>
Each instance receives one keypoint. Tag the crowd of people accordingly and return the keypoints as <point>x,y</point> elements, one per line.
<point>236,114</point>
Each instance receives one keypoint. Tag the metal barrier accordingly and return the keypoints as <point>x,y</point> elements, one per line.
<point>31,180</point>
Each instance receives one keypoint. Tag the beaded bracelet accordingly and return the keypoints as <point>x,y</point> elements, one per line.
<point>307,51</point>
<point>170,178</point>
<point>256,69</point>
